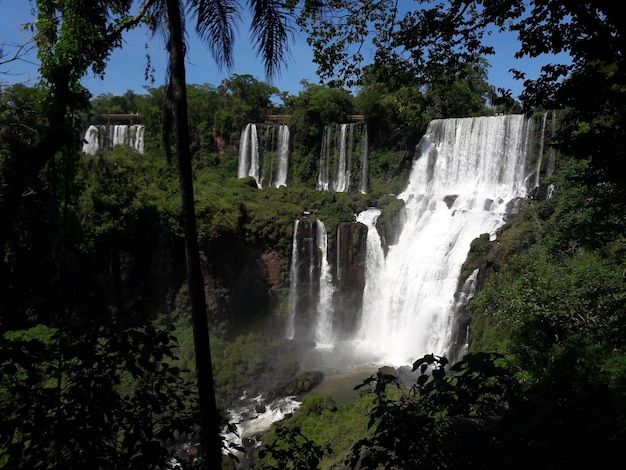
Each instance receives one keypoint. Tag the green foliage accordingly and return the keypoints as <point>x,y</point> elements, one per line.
<point>449,418</point>
<point>239,363</point>
<point>64,403</point>
<point>319,423</point>
<point>545,301</point>
<point>117,191</point>
<point>314,108</point>
<point>293,450</point>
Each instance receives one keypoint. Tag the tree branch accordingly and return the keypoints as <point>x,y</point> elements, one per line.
<point>130,23</point>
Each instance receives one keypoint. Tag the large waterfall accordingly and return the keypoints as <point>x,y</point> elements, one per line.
<point>468,176</point>
<point>104,137</point>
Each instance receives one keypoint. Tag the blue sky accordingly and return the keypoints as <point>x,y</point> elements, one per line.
<point>126,67</point>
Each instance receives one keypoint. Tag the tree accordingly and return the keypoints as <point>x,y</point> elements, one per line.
<point>270,25</point>
<point>450,417</point>
<point>72,39</point>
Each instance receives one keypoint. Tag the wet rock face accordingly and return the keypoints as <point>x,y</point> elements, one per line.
<point>350,255</point>
<point>271,261</point>
<point>242,281</point>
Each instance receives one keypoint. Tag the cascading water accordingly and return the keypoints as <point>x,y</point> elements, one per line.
<point>283,156</point>
<point>467,177</point>
<point>294,283</point>
<point>249,154</point>
<point>119,135</point>
<point>264,154</point>
<point>138,137</point>
<point>339,144</point>
<point>324,327</point>
<point>541,143</point>
<point>104,137</point>
<point>363,187</point>
<point>374,264</point>
<point>342,181</point>
<point>323,179</point>
<point>91,140</point>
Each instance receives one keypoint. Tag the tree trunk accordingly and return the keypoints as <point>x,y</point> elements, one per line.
<point>210,439</point>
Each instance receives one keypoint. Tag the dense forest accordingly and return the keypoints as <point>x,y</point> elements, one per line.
<point>98,358</point>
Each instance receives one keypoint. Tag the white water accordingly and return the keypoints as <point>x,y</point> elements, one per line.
<point>324,327</point>
<point>374,264</point>
<point>541,144</point>
<point>341,180</point>
<point>101,137</point>
<point>91,141</point>
<point>137,134</point>
<point>251,423</point>
<point>363,187</point>
<point>249,154</point>
<point>409,304</point>
<point>293,276</point>
<point>323,177</point>
<point>337,148</point>
<point>283,156</point>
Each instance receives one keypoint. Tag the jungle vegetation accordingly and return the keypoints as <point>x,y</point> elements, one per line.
<point>94,375</point>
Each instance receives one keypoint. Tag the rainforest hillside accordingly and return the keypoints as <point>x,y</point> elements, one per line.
<point>97,361</point>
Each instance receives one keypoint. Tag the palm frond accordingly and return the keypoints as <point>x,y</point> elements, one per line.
<point>214,24</point>
<point>271,29</point>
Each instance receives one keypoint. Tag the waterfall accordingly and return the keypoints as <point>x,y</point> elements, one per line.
<point>262,149</point>
<point>468,175</point>
<point>339,145</point>
<point>374,263</point>
<point>118,135</point>
<point>283,156</point>
<point>91,140</point>
<point>459,339</point>
<point>137,133</point>
<point>324,327</point>
<point>249,154</point>
<point>293,283</point>
<point>342,180</point>
<point>363,186</point>
<point>323,178</point>
<point>104,137</point>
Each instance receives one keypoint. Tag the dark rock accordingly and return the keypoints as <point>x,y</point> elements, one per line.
<point>302,383</point>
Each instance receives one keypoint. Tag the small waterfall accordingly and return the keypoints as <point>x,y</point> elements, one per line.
<point>374,264</point>
<point>340,143</point>
<point>105,137</point>
<point>119,135</point>
<point>249,154</point>
<point>283,156</point>
<point>460,338</point>
<point>468,175</point>
<point>91,141</point>
<point>364,186</point>
<point>324,327</point>
<point>137,133</point>
<point>264,154</point>
<point>294,283</point>
<point>325,153</point>
<point>342,180</point>
<point>541,144</point>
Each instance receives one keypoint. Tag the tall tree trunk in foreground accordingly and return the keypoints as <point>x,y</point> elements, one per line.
<point>210,439</point>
